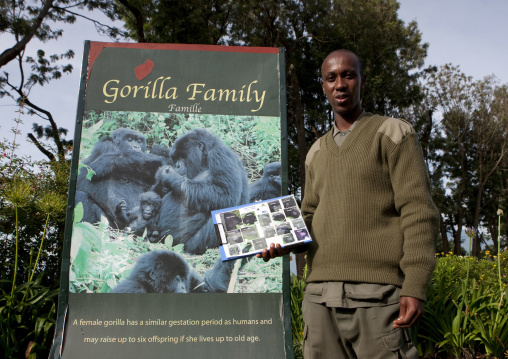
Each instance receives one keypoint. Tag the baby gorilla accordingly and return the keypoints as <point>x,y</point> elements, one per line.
<point>161,272</point>
<point>144,217</point>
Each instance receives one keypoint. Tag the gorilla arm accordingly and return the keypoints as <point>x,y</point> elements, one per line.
<point>136,161</point>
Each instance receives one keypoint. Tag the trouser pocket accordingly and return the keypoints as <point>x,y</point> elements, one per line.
<point>399,341</point>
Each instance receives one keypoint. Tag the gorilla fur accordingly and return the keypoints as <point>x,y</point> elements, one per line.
<point>217,279</point>
<point>160,272</point>
<point>207,175</point>
<point>269,186</point>
<point>145,216</point>
<point>123,149</point>
<point>122,171</point>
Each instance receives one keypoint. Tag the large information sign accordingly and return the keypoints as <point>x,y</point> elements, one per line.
<point>165,134</point>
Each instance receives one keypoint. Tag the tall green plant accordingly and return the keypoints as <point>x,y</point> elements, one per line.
<point>492,323</point>
<point>18,194</point>
<point>499,214</point>
<point>469,316</point>
<point>27,310</point>
<point>297,323</point>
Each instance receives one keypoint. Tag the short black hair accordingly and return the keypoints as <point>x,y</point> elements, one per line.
<point>360,62</point>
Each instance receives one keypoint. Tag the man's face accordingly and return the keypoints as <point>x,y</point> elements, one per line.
<point>342,82</point>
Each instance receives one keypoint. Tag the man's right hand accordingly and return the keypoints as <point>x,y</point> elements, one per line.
<point>273,252</point>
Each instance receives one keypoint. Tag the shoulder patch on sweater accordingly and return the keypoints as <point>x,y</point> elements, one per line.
<point>316,146</point>
<point>396,129</point>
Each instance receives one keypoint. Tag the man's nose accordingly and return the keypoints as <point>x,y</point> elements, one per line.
<point>340,83</point>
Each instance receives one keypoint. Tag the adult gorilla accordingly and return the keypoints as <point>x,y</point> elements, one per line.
<point>208,176</point>
<point>123,149</point>
<point>122,171</point>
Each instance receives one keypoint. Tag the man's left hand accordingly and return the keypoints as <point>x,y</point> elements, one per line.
<point>411,309</point>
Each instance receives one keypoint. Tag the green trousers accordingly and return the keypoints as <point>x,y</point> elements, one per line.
<point>361,332</point>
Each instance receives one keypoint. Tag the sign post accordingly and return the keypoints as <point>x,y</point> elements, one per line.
<point>165,134</point>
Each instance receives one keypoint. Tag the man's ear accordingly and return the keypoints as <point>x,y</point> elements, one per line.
<point>322,87</point>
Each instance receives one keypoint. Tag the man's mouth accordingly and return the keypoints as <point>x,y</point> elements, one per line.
<point>341,98</point>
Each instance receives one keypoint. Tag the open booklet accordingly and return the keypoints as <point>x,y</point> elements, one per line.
<point>245,230</point>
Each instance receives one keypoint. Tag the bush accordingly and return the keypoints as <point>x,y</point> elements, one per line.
<point>465,315</point>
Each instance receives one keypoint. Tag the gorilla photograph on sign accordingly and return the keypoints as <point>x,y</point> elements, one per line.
<point>146,185</point>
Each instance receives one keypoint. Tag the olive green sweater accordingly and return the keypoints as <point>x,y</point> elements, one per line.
<point>369,208</point>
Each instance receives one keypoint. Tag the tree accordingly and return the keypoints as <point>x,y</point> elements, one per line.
<point>473,150</point>
<point>24,21</point>
<point>309,30</point>
<point>20,23</point>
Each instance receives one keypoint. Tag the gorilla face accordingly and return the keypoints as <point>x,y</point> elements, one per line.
<point>272,173</point>
<point>129,140</point>
<point>150,203</point>
<point>181,168</point>
<point>179,285</point>
<point>269,186</point>
<point>192,153</point>
<point>147,210</point>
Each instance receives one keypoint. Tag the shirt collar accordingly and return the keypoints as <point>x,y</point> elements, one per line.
<point>336,130</point>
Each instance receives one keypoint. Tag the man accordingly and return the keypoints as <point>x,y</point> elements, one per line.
<point>373,223</point>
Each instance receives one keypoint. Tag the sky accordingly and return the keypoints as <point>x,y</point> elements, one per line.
<point>468,33</point>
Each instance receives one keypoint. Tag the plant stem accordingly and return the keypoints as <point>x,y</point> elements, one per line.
<point>40,248</point>
<point>499,253</point>
<point>468,259</point>
<point>16,255</point>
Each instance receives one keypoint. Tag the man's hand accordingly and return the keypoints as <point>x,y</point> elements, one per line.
<point>411,309</point>
<point>273,252</point>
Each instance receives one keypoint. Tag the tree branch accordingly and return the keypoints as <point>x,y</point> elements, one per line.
<point>42,149</point>
<point>139,19</point>
<point>49,117</point>
<point>54,127</point>
<point>97,24</point>
<point>11,53</point>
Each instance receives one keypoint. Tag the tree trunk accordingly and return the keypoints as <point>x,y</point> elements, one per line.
<point>461,190</point>
<point>476,220</point>
<point>300,263</point>
<point>457,240</point>
<point>296,103</point>
<point>444,235</point>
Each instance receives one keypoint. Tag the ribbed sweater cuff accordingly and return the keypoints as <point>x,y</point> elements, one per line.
<point>415,283</point>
